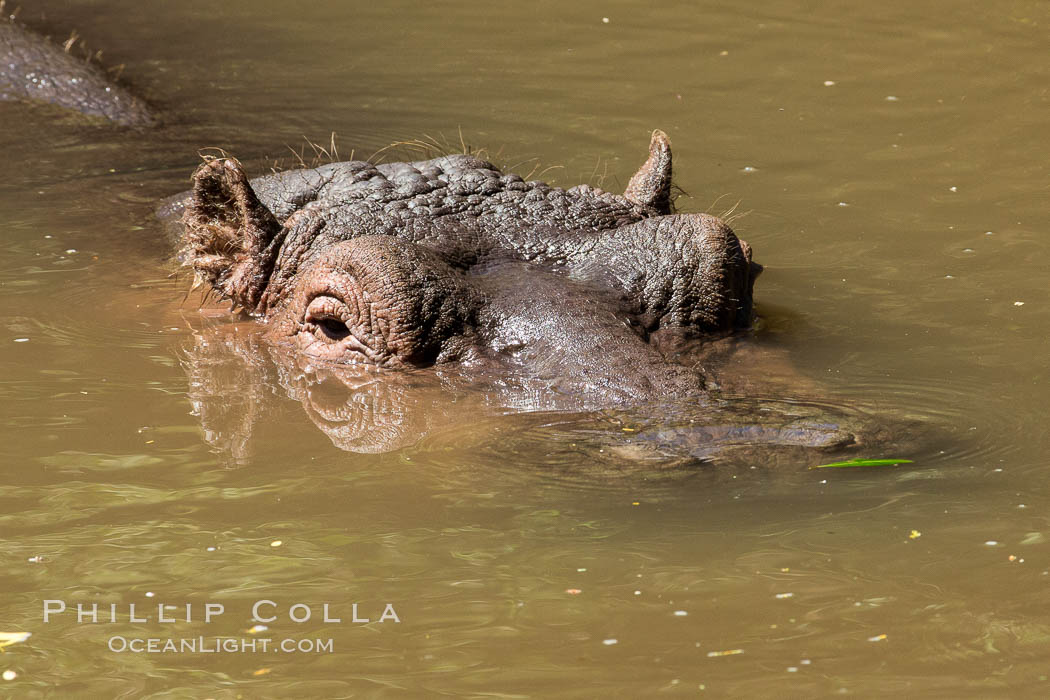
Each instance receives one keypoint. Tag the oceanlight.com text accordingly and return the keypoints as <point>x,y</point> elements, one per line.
<point>218,645</point>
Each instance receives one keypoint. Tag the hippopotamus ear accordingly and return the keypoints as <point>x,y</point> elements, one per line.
<point>231,238</point>
<point>651,185</point>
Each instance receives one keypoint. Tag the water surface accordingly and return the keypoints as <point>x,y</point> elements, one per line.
<point>892,164</point>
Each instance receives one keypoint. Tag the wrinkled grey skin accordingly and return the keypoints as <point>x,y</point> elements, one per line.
<point>512,297</point>
<point>450,261</point>
<point>33,68</point>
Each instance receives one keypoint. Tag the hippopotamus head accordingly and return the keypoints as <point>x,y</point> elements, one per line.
<point>449,260</point>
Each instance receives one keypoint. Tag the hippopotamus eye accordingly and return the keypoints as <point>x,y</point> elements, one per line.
<point>333,328</point>
<point>325,315</point>
<point>380,301</point>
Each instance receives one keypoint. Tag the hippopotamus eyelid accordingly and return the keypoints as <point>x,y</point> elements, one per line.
<point>326,314</point>
<point>332,328</point>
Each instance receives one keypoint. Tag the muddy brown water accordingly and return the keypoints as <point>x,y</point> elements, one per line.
<point>893,162</point>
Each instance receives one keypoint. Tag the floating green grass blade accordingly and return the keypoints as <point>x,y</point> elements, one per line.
<point>864,463</point>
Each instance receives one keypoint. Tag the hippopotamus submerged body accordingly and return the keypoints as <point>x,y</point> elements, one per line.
<point>35,69</point>
<point>452,261</point>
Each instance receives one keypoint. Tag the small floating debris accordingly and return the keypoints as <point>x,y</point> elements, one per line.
<point>892,98</point>
<point>21,340</point>
<point>914,535</point>
<point>829,83</point>
<point>256,629</point>
<point>610,642</point>
<point>991,543</point>
<point>9,638</point>
<point>573,591</point>
<point>276,543</point>
<point>9,675</point>
<point>953,188</point>
<point>605,20</point>
<point>261,672</point>
<point>680,613</point>
<point>782,596</point>
<point>727,652</point>
<point>864,463</point>
<point>877,638</point>
<point>1018,303</point>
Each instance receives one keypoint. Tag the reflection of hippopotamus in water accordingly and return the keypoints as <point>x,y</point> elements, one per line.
<point>361,408</point>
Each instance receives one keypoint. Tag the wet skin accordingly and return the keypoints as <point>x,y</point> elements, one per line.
<point>398,299</point>
<point>36,69</point>
<point>450,261</point>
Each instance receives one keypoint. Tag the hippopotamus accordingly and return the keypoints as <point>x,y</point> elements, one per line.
<point>450,261</point>
<point>35,69</point>
<point>397,299</point>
